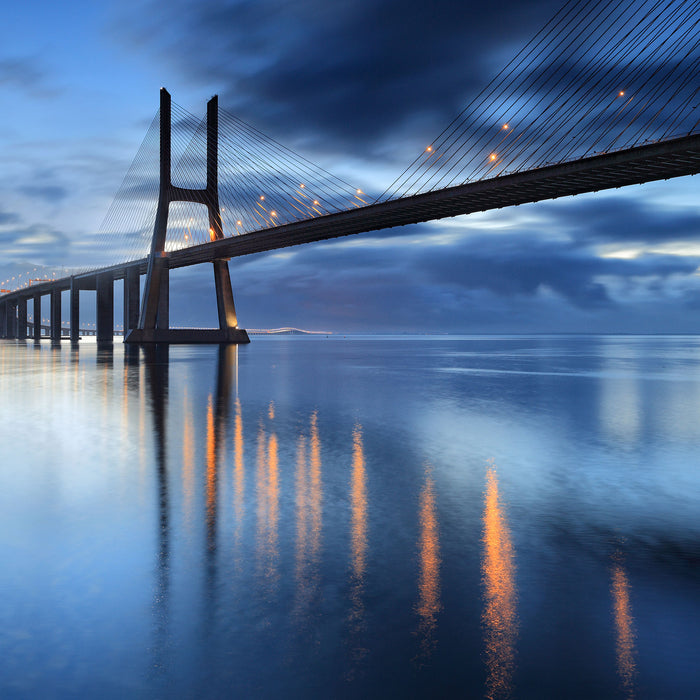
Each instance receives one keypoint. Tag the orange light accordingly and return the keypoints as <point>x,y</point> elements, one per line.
<point>492,156</point>
<point>262,196</point>
<point>359,191</point>
<point>212,234</point>
<point>273,213</point>
<point>430,148</point>
<point>316,201</point>
<point>505,127</point>
<point>302,186</point>
<point>239,223</point>
<point>621,93</point>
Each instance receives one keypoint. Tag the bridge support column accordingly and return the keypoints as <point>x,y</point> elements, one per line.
<point>74,311</point>
<point>163,320</point>
<point>105,308</point>
<point>11,320</point>
<point>3,320</point>
<point>22,319</point>
<point>55,315</point>
<point>224,295</point>
<point>153,326</point>
<point>131,299</point>
<point>37,317</point>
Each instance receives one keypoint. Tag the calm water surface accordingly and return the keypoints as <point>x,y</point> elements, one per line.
<point>352,517</point>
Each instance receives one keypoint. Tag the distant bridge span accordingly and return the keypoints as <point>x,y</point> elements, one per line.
<point>640,164</point>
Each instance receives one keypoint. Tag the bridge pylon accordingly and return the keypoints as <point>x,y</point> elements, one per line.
<point>154,319</point>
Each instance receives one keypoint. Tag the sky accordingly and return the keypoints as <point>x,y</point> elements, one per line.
<point>359,88</point>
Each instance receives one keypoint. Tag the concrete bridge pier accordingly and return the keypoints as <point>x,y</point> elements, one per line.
<point>3,320</point>
<point>36,331</point>
<point>105,308</point>
<point>55,315</point>
<point>163,317</point>
<point>22,318</point>
<point>132,298</point>
<point>74,311</point>
<point>11,320</point>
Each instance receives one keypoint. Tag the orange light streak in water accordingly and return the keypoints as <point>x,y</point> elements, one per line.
<point>358,505</point>
<point>429,575</point>
<point>309,518</point>
<point>316,492</point>
<point>624,628</point>
<point>273,493</point>
<point>267,478</point>
<point>500,619</point>
<point>187,460</point>
<point>302,513</point>
<point>358,552</point>
<point>261,489</point>
<point>238,469</point>
<point>211,464</point>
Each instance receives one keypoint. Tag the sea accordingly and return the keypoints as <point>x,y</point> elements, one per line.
<point>351,517</point>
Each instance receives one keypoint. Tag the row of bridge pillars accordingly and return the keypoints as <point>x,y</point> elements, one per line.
<point>14,321</point>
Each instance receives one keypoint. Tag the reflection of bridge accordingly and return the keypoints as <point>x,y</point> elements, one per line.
<point>570,129</point>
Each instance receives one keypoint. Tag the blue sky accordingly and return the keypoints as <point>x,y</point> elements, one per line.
<point>358,87</point>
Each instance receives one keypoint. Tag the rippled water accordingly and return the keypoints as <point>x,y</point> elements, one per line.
<point>352,517</point>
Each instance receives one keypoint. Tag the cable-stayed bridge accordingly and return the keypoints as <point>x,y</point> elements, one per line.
<point>605,95</point>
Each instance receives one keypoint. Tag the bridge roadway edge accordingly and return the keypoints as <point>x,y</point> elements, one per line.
<point>657,161</point>
<point>670,159</point>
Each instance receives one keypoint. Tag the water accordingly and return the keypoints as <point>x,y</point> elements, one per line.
<point>352,517</point>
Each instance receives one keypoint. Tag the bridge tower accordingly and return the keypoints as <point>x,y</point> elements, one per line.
<point>154,319</point>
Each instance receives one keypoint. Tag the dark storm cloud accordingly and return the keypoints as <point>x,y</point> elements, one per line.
<point>619,219</point>
<point>520,266</point>
<point>355,72</point>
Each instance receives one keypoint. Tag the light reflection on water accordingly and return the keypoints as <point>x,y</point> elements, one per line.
<point>500,616</point>
<point>298,517</point>
<point>429,576</point>
<point>624,627</point>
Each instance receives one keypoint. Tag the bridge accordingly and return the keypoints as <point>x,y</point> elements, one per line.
<point>603,97</point>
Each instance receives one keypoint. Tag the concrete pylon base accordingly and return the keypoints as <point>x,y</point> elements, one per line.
<point>187,335</point>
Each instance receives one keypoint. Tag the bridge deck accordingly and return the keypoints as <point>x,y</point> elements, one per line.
<point>657,161</point>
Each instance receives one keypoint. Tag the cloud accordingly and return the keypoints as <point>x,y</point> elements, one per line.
<point>28,75</point>
<point>7,217</point>
<point>39,243</point>
<point>49,193</point>
<point>355,73</point>
<point>617,218</point>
